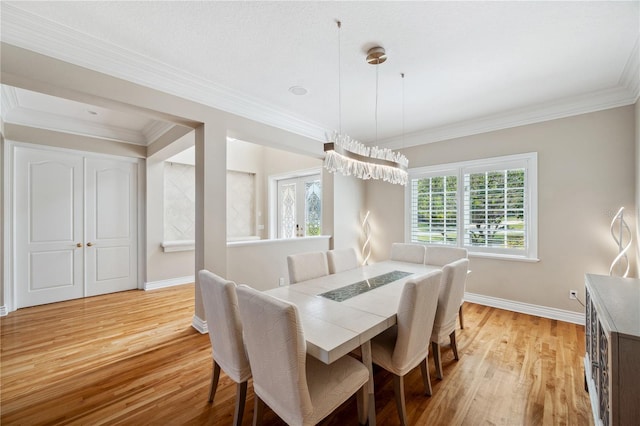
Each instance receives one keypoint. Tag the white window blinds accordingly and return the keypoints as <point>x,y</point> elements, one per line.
<point>487,206</point>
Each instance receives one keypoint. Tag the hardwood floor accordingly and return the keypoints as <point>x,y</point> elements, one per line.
<point>133,358</point>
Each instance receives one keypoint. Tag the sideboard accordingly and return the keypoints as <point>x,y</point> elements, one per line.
<point>612,359</point>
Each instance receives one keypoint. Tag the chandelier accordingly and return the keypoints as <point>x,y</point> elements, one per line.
<point>351,157</point>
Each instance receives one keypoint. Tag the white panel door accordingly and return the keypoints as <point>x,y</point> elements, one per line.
<point>48,227</point>
<point>111,231</point>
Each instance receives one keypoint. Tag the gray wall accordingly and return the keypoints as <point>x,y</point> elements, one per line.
<point>586,171</point>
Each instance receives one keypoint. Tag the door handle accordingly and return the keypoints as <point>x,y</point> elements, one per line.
<point>89,244</point>
<point>79,245</point>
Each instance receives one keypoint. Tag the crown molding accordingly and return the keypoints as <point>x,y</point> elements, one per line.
<point>9,100</point>
<point>630,78</point>
<point>155,129</point>
<point>14,113</point>
<point>582,104</point>
<point>40,35</point>
<point>44,120</point>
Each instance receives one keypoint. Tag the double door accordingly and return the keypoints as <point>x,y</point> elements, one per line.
<point>75,221</point>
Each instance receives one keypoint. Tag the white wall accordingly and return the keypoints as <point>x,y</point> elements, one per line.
<point>261,264</point>
<point>586,171</point>
<point>161,266</point>
<point>637,156</point>
<point>348,212</point>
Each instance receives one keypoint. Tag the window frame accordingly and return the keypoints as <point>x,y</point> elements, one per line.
<point>527,161</point>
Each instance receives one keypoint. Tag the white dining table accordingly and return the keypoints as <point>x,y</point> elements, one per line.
<point>333,328</point>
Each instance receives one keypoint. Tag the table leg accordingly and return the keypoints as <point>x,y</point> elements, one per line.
<point>367,361</point>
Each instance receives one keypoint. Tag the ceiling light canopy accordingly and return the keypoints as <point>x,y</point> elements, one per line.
<point>352,158</point>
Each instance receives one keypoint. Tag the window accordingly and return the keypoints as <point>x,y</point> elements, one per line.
<point>299,206</point>
<point>487,206</point>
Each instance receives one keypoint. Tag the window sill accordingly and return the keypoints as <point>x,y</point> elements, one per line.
<point>509,257</point>
<point>180,245</point>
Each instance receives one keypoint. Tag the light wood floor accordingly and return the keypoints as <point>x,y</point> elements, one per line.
<point>133,358</point>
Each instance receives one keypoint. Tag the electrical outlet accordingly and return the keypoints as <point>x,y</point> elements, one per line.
<point>573,294</point>
<point>281,282</point>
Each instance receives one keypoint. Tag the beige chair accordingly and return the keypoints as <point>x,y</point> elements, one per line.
<point>225,333</point>
<point>404,252</point>
<point>298,388</point>
<point>402,347</point>
<point>440,256</point>
<point>342,260</point>
<point>451,293</point>
<point>306,266</point>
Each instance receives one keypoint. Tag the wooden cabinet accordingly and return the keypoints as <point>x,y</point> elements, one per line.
<point>612,359</point>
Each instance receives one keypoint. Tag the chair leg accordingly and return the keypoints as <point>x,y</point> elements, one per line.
<point>362,399</point>
<point>435,348</point>
<point>258,411</point>
<point>241,396</point>
<point>461,316</point>
<point>398,387</point>
<point>424,367</point>
<point>454,347</point>
<point>214,380</point>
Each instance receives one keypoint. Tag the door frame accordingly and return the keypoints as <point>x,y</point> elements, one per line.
<point>9,302</point>
<point>272,195</point>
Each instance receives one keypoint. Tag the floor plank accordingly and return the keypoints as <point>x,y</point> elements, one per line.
<point>133,358</point>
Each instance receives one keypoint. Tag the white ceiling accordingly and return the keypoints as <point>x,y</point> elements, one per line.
<point>470,66</point>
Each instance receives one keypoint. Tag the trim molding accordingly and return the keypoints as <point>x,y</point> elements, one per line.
<point>526,308</point>
<point>591,102</point>
<point>629,77</point>
<point>199,324</point>
<point>32,32</point>
<point>26,30</point>
<point>154,285</point>
<point>3,311</point>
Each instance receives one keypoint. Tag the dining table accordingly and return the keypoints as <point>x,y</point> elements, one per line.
<point>343,311</point>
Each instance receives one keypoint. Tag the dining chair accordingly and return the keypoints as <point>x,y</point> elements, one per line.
<point>297,387</point>
<point>342,260</point>
<point>402,347</point>
<point>306,266</point>
<point>440,256</point>
<point>225,333</point>
<point>405,252</point>
<point>454,276</point>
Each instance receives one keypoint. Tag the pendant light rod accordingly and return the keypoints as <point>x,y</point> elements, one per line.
<point>339,77</point>
<point>402,75</point>
<point>352,158</point>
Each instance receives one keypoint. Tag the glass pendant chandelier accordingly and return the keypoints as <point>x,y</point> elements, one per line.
<point>352,158</point>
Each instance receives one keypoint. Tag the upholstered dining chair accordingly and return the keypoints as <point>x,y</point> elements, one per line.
<point>225,333</point>
<point>440,256</point>
<point>306,266</point>
<point>454,276</point>
<point>402,347</point>
<point>405,252</point>
<point>342,260</point>
<point>299,388</point>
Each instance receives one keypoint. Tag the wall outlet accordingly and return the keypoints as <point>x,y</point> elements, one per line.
<point>573,294</point>
<point>281,282</point>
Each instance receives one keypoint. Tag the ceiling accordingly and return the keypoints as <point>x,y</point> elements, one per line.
<point>470,66</point>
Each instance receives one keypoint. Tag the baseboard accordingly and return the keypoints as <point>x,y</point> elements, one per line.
<point>200,325</point>
<point>153,285</point>
<point>3,311</point>
<point>526,308</point>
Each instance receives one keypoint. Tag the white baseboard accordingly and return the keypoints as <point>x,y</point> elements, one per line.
<point>526,308</point>
<point>153,285</point>
<point>199,324</point>
<point>3,311</point>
